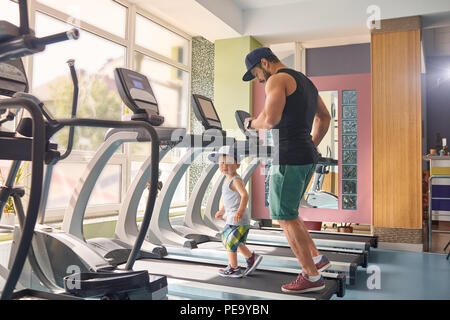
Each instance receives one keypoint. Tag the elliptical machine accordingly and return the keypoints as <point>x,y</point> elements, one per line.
<point>104,281</point>
<point>53,253</point>
<point>16,42</point>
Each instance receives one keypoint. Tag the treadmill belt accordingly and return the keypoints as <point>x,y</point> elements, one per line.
<point>341,237</point>
<point>324,236</point>
<point>265,281</point>
<point>287,252</point>
<point>371,240</point>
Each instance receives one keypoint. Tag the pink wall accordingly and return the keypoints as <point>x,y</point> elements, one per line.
<point>363,214</point>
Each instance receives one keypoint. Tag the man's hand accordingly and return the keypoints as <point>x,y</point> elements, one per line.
<point>246,121</point>
<point>219,214</point>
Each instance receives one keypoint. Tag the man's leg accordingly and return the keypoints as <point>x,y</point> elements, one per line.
<point>298,238</point>
<point>287,186</point>
<point>311,245</point>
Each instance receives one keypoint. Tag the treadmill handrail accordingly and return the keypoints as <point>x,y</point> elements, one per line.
<point>154,170</point>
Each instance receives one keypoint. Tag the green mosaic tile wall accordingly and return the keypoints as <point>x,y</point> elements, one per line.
<point>202,83</point>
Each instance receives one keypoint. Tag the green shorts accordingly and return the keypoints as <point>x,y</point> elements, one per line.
<point>287,186</point>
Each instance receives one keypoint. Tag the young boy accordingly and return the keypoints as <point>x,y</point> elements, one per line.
<point>234,206</point>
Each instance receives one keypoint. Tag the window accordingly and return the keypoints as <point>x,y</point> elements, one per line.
<point>285,52</point>
<point>95,61</point>
<point>158,39</point>
<point>92,12</point>
<point>106,191</point>
<point>171,87</point>
<point>166,167</point>
<point>4,169</point>
<point>349,149</point>
<point>9,11</point>
<point>105,44</point>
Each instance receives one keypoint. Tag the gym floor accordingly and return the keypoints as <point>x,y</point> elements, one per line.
<point>392,275</point>
<point>403,275</point>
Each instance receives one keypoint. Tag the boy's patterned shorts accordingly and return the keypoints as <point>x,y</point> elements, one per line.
<point>234,236</point>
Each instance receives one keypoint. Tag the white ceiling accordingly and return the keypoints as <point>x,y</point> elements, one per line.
<point>190,17</point>
<point>312,22</point>
<point>254,4</point>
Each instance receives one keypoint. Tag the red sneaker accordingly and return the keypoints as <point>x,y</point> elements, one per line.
<point>323,264</point>
<point>303,285</point>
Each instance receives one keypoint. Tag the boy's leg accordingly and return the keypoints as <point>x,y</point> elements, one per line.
<point>232,270</point>
<point>232,259</point>
<point>253,259</point>
<point>244,251</point>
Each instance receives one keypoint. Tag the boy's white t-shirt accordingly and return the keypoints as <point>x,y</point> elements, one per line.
<point>231,202</point>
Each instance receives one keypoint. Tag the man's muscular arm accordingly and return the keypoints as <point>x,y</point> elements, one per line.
<point>273,108</point>
<point>321,122</point>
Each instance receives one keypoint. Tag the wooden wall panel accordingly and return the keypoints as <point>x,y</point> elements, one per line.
<point>396,129</point>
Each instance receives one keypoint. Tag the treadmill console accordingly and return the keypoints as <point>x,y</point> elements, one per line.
<point>136,92</point>
<point>12,78</point>
<point>205,112</point>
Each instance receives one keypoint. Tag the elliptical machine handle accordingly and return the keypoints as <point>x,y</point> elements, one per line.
<point>73,74</point>
<point>25,42</point>
<point>73,34</point>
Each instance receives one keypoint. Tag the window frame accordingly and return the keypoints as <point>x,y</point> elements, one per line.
<point>123,158</point>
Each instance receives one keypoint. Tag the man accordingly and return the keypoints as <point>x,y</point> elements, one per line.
<point>292,106</point>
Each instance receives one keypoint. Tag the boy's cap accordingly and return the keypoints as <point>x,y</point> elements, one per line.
<point>253,58</point>
<point>229,151</point>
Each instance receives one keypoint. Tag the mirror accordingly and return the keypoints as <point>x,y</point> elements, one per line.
<point>323,189</point>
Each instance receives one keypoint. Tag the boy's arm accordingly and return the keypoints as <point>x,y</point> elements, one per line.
<point>221,212</point>
<point>238,185</point>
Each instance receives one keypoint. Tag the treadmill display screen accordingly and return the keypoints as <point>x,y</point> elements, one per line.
<point>138,84</point>
<point>208,109</point>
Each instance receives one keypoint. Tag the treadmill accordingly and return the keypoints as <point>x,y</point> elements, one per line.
<point>198,274</point>
<point>176,244</point>
<point>328,241</point>
<point>368,240</point>
<point>137,94</point>
<point>145,108</point>
<point>278,258</point>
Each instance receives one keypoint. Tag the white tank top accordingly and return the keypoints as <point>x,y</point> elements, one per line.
<point>231,202</point>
